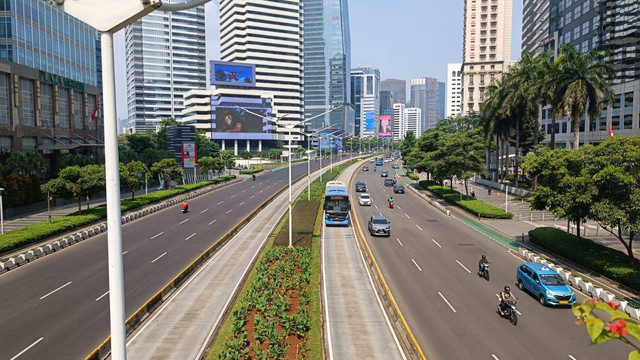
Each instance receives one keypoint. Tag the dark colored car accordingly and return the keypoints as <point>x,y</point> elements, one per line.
<point>379,225</point>
<point>395,166</point>
<point>366,168</point>
<point>361,186</point>
<point>388,182</point>
<point>398,189</point>
<point>385,173</point>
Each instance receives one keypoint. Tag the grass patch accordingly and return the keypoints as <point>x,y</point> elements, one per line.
<point>413,176</point>
<point>252,171</point>
<point>602,259</point>
<point>40,231</point>
<point>304,215</point>
<point>468,203</point>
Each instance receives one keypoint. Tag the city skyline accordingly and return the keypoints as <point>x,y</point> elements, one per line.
<point>366,40</point>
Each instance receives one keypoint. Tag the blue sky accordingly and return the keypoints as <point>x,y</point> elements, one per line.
<point>405,39</point>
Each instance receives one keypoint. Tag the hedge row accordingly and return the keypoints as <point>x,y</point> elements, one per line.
<point>252,171</point>
<point>468,203</point>
<point>43,230</point>
<point>413,176</point>
<point>604,260</point>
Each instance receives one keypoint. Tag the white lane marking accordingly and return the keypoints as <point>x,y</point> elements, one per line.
<point>464,267</point>
<point>60,288</point>
<point>213,221</point>
<point>268,186</point>
<point>158,258</point>
<point>416,264</point>
<point>260,192</point>
<point>572,358</point>
<point>375,205</point>
<point>183,221</point>
<point>204,211</point>
<point>232,196</point>
<point>125,252</point>
<point>435,242</point>
<point>445,300</point>
<point>253,186</point>
<point>220,202</point>
<point>399,208</point>
<point>27,348</point>
<point>399,242</point>
<point>242,203</point>
<point>407,216</point>
<point>156,235</point>
<point>229,211</point>
<point>101,296</point>
<point>252,196</point>
<point>243,191</point>
<point>418,226</point>
<point>190,236</point>
<point>494,357</point>
<point>519,313</point>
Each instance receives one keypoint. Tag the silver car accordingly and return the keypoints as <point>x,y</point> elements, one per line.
<point>365,200</point>
<point>379,225</point>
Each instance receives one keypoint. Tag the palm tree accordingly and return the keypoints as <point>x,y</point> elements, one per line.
<point>582,85</point>
<point>25,162</point>
<point>499,125</point>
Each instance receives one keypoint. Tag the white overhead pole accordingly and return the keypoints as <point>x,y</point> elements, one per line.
<point>309,161</point>
<point>109,17</point>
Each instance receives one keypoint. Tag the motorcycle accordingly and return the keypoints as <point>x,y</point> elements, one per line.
<point>484,271</point>
<point>509,311</point>
<point>391,204</point>
<point>185,209</point>
<point>254,177</point>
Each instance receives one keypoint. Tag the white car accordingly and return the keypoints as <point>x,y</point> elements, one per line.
<point>365,199</point>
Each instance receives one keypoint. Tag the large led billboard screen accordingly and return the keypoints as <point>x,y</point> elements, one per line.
<point>332,138</point>
<point>232,74</point>
<point>237,120</point>
<point>370,120</point>
<point>386,125</point>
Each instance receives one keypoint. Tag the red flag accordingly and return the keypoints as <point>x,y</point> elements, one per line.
<point>94,114</point>
<point>610,131</point>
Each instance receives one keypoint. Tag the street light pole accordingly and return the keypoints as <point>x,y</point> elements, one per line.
<point>1,211</point>
<point>309,162</point>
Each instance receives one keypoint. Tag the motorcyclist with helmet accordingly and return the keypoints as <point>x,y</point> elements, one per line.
<point>505,297</point>
<point>483,261</point>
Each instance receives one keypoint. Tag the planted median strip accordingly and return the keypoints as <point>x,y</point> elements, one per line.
<point>37,232</point>
<point>470,204</point>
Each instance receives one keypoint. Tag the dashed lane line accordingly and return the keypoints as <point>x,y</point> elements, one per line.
<point>400,242</point>
<point>464,267</point>
<point>101,296</point>
<point>229,211</point>
<point>190,236</point>
<point>158,258</point>
<point>435,242</point>
<point>447,301</point>
<point>58,289</point>
<point>214,220</point>
<point>27,348</point>
<point>204,211</point>
<point>156,235</point>
<point>183,221</point>
<point>418,226</point>
<point>416,264</point>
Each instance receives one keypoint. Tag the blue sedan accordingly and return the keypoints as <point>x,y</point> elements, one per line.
<point>545,284</point>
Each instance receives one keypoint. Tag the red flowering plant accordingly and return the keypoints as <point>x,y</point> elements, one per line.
<point>605,322</point>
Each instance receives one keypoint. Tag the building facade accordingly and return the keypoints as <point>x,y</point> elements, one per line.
<point>399,122</point>
<point>440,101</point>
<point>49,99</point>
<point>413,120</point>
<point>165,56</point>
<point>424,95</point>
<point>366,97</point>
<point>398,89</point>
<point>486,49</point>
<point>327,63</point>
<point>536,17</point>
<point>453,101</point>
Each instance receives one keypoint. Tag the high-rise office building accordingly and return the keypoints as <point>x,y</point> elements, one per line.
<point>453,102</point>
<point>365,92</point>
<point>386,102</point>
<point>586,24</point>
<point>327,63</point>
<point>424,95</point>
<point>487,48</point>
<point>398,89</point>
<point>536,19</point>
<point>413,121</point>
<point>269,35</point>
<point>49,94</point>
<point>399,121</point>
<point>440,100</point>
<point>165,55</point>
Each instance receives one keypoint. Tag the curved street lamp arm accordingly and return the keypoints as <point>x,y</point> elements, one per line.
<point>181,6</point>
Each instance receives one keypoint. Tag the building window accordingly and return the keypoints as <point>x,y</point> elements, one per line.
<point>596,20</point>
<point>617,98</point>
<point>585,7</point>
<point>628,121</point>
<point>576,12</point>
<point>27,113</point>
<point>29,142</point>
<point>615,123</point>
<point>585,28</point>
<point>567,37</point>
<point>585,46</point>
<point>63,108</point>
<point>628,99</point>
<point>5,142</point>
<point>567,19</point>
<point>91,105</point>
<point>4,99</point>
<point>603,121</point>
<point>46,105</point>
<point>576,33</point>
<point>78,111</point>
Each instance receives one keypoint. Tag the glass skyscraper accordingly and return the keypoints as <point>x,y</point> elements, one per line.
<point>165,55</point>
<point>327,63</point>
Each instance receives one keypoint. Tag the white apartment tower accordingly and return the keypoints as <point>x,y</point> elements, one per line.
<point>165,57</point>
<point>399,121</point>
<point>412,117</point>
<point>269,35</point>
<point>453,106</point>
<point>486,49</point>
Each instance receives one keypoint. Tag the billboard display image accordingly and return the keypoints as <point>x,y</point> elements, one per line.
<point>386,125</point>
<point>236,120</point>
<point>189,155</point>
<point>370,120</point>
<point>337,143</point>
<point>233,74</point>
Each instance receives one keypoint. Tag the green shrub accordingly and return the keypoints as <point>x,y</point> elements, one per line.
<point>468,203</point>
<point>413,176</point>
<point>602,259</point>
<point>43,230</point>
<point>252,171</point>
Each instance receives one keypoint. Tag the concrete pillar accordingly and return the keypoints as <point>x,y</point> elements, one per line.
<point>259,145</point>
<point>223,145</point>
<point>235,147</point>
<point>248,145</point>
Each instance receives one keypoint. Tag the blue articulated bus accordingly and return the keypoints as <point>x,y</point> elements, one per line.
<point>379,161</point>
<point>336,204</point>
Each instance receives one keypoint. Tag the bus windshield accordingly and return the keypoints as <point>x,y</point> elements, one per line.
<point>336,206</point>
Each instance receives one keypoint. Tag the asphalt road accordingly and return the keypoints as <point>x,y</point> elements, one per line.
<point>57,307</point>
<point>430,264</point>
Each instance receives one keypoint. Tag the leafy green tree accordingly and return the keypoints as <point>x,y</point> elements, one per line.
<point>275,154</point>
<point>300,151</point>
<point>25,162</point>
<point>407,144</point>
<point>168,169</point>
<point>161,137</point>
<point>132,175</point>
<point>459,154</point>
<point>138,143</point>
<point>127,155</point>
<point>206,147</point>
<point>227,158</point>
<point>210,163</point>
<point>75,159</point>
<point>246,155</point>
<point>77,182</point>
<point>152,156</point>
<point>582,85</point>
